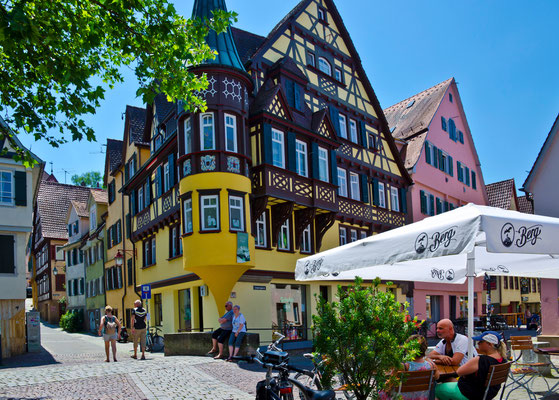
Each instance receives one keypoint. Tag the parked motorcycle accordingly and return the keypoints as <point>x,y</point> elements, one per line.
<point>123,335</point>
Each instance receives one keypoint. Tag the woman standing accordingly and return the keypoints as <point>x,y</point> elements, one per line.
<point>473,374</point>
<point>110,327</point>
<point>238,333</point>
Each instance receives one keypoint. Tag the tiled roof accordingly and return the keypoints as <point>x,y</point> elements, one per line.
<point>525,205</point>
<point>500,194</point>
<point>100,196</point>
<point>81,208</point>
<point>162,107</point>
<point>48,177</point>
<point>264,98</point>
<point>114,152</point>
<point>53,201</point>
<point>137,119</point>
<point>247,43</point>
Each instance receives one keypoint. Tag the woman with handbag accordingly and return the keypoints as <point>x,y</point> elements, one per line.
<point>110,329</point>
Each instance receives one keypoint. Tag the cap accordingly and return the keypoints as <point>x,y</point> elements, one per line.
<point>489,337</point>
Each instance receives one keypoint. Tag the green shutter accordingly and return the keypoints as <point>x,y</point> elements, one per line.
<point>333,167</point>
<point>450,166</point>
<point>474,182</point>
<point>128,225</point>
<point>432,204</point>
<point>427,153</point>
<point>126,172</point>
<point>291,152</point>
<point>451,129</point>
<point>172,169</point>
<point>21,188</point>
<point>403,200</point>
<point>7,262</point>
<point>363,129</point>
<point>441,160</point>
<point>423,201</point>
<point>314,159</point>
<point>364,188</point>
<point>375,192</point>
<point>439,206</point>
<point>435,157</point>
<point>267,157</point>
<point>467,176</point>
<point>132,199</point>
<point>147,192</point>
<point>460,171</point>
<point>335,117</point>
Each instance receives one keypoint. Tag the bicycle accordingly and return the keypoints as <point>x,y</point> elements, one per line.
<point>154,342</point>
<point>313,378</point>
<point>281,386</point>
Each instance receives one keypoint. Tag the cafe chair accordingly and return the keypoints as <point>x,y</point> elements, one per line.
<point>416,381</point>
<point>497,375</point>
<point>523,373</point>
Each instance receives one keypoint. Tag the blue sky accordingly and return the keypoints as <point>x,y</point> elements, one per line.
<point>503,54</point>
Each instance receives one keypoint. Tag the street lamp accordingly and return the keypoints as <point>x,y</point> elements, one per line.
<point>54,271</point>
<point>119,258</point>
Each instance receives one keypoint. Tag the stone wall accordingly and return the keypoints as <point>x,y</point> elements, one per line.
<point>198,344</point>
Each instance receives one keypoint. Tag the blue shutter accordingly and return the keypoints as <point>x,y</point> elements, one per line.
<point>439,206</point>
<point>460,171</point>
<point>147,192</point>
<point>172,169</point>
<point>333,167</point>
<point>451,129</point>
<point>314,159</point>
<point>289,92</point>
<point>159,182</point>
<point>423,201</point>
<point>461,137</point>
<point>450,166</point>
<point>126,172</point>
<point>441,160</point>
<point>375,192</point>
<point>335,117</point>
<point>363,129</point>
<point>20,180</point>
<point>297,96</point>
<point>267,157</point>
<point>467,176</point>
<point>132,199</point>
<point>443,123</point>
<point>432,204</point>
<point>291,153</point>
<point>427,153</point>
<point>435,157</point>
<point>403,200</point>
<point>474,181</point>
<point>364,188</point>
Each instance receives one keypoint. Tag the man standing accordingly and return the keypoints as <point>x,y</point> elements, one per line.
<point>453,348</point>
<point>138,324</point>
<point>221,335</point>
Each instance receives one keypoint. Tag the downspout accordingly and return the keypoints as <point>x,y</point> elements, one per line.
<point>124,264</point>
<point>104,277</point>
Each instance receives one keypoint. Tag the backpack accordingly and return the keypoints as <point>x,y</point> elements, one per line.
<point>110,326</point>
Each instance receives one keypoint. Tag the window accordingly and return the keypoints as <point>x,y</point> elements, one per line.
<point>149,252</point>
<point>354,186</point>
<point>310,59</point>
<point>141,198</point>
<point>362,234</point>
<point>353,131</point>
<point>381,195</point>
<point>343,237</point>
<point>157,309</point>
<point>343,126</point>
<point>284,237</point>
<point>428,203</point>
<point>6,188</point>
<point>60,253</point>
<point>306,244</point>
<point>261,231</point>
<point>301,158</point>
<point>353,235</point>
<point>230,133</point>
<point>394,199</point>
<point>236,214</point>
<point>175,248</point>
<point>321,14</point>
<point>166,177</point>
<point>112,191</point>
<point>157,142</point>
<point>342,182</point>
<point>443,123</point>
<point>187,215</point>
<point>118,232</point>
<point>324,66</point>
<point>210,212</point>
<point>474,180</point>
<point>188,136</point>
<point>92,218</point>
<point>130,269</point>
<point>207,130</point>
<point>338,73</point>
<point>505,282</point>
<point>450,97</point>
<point>7,249</point>
<point>278,152</point>
<point>323,164</point>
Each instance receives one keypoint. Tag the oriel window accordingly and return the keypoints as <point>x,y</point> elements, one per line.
<point>207,131</point>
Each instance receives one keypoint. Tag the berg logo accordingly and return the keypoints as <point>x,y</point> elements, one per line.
<point>526,235</point>
<point>424,242</point>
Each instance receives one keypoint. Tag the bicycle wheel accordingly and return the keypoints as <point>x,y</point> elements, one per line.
<point>308,380</point>
<point>158,344</point>
<point>149,343</point>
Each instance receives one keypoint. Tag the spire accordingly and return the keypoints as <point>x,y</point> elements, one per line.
<point>222,43</point>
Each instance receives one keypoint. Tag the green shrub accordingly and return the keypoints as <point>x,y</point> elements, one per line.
<point>72,321</point>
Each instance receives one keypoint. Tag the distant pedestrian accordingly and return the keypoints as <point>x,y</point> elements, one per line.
<point>238,333</point>
<point>221,335</point>
<point>138,324</point>
<point>110,329</point>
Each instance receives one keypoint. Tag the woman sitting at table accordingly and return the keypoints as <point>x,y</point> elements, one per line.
<point>473,374</point>
<point>420,363</point>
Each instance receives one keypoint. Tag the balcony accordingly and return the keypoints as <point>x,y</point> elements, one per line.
<point>283,184</point>
<point>356,210</point>
<point>157,213</point>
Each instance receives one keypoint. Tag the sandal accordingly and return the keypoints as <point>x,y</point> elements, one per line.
<point>218,357</point>
<point>211,352</point>
<point>134,357</point>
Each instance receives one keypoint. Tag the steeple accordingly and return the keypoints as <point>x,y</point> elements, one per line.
<point>222,43</point>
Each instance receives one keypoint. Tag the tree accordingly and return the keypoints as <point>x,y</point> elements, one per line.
<point>91,179</point>
<point>53,53</point>
<point>363,338</point>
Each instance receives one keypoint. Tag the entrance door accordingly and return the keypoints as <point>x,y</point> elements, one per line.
<point>185,311</point>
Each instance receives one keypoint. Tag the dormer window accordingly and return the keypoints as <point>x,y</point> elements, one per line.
<point>338,73</point>
<point>311,59</point>
<point>158,141</point>
<point>324,66</point>
<point>92,218</point>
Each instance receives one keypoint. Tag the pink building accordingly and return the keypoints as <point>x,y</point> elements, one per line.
<point>436,145</point>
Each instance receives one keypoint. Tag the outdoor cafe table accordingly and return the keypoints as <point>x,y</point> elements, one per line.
<point>447,371</point>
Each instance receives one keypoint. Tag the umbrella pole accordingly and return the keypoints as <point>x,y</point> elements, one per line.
<point>470,273</point>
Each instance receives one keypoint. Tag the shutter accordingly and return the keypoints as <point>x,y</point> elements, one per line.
<point>364,188</point>
<point>460,172</point>
<point>297,96</point>
<point>333,167</point>
<point>147,191</point>
<point>445,206</point>
<point>53,253</point>
<point>132,199</point>
<point>20,178</point>
<point>135,158</point>
<point>474,181</point>
<point>314,158</point>
<point>82,285</point>
<point>291,153</point>
<point>441,160</point>
<point>363,129</point>
<point>289,92</point>
<point>443,123</point>
<point>375,192</point>
<point>335,117</point>
<point>158,182</point>
<point>432,204</point>
<point>467,173</point>
<point>128,226</point>
<point>267,157</point>
<point>450,166</point>
<point>7,262</point>
<point>403,200</point>
<point>452,129</point>
<point>126,172</point>
<point>172,170</point>
<point>461,137</point>
<point>119,271</point>
<point>427,153</point>
<point>435,157</point>
<point>439,206</point>
<point>423,201</point>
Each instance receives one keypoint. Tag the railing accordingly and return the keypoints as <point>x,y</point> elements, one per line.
<point>159,209</point>
<point>357,210</point>
<point>214,161</point>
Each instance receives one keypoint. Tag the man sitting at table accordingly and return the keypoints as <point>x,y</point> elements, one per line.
<point>453,348</point>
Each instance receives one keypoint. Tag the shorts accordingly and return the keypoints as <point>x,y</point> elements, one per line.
<point>221,335</point>
<point>139,336</point>
<point>236,341</point>
<point>108,338</point>
<point>449,391</point>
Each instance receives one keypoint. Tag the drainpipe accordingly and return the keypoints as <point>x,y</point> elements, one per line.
<point>124,264</point>
<point>139,293</point>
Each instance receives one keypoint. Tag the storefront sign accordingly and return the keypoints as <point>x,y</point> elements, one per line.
<point>255,287</point>
<point>243,253</point>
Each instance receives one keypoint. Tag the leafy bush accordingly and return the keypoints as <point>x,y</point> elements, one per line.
<point>72,321</point>
<point>363,338</point>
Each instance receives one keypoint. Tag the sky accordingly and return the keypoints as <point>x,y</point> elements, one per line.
<point>504,55</point>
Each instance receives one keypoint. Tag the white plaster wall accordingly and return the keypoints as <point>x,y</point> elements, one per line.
<point>12,286</point>
<point>75,272</point>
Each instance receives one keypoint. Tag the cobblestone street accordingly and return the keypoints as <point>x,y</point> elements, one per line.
<point>72,367</point>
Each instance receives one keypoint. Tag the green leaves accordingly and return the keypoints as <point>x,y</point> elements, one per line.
<point>51,50</point>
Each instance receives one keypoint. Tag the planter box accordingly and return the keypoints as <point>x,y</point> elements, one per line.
<point>198,344</point>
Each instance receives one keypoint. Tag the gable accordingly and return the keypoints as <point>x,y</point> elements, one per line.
<point>278,106</point>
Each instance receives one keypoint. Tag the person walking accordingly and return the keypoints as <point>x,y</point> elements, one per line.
<point>110,329</point>
<point>222,334</point>
<point>138,323</point>
<point>238,333</point>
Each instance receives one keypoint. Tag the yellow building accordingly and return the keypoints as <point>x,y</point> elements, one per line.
<point>292,156</point>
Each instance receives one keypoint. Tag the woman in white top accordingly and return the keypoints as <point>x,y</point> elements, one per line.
<point>238,333</point>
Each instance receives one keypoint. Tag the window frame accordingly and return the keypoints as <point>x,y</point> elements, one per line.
<point>353,235</point>
<point>166,177</point>
<point>353,135</point>
<point>262,221</point>
<point>278,133</point>
<point>188,135</point>
<point>203,126</point>
<point>241,210</point>
<point>187,211</point>
<point>303,169</point>
<point>342,125</point>
<point>203,208</point>
<point>227,127</point>
<point>12,188</point>
<point>343,235</point>
<point>381,195</point>
<point>311,59</point>
<point>322,61</point>
<point>354,186</point>
<point>306,238</point>
<point>338,75</point>
<point>323,167</point>
<point>394,199</point>
<point>342,182</point>
<point>286,226</point>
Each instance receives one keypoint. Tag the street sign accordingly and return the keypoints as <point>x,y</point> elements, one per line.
<point>146,292</point>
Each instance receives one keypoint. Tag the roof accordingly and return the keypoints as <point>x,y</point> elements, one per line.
<point>500,194</point>
<point>223,43</point>
<point>543,150</point>
<point>81,208</point>
<point>525,205</point>
<point>48,177</point>
<point>53,202</point>
<point>247,43</point>
<point>114,153</point>
<point>137,123</point>
<point>100,196</point>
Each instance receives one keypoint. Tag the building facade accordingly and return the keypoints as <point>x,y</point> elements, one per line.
<point>18,188</point>
<point>438,151</point>
<point>292,156</point>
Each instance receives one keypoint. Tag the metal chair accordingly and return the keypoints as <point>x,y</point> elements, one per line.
<point>497,375</point>
<point>523,373</point>
<point>416,381</point>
